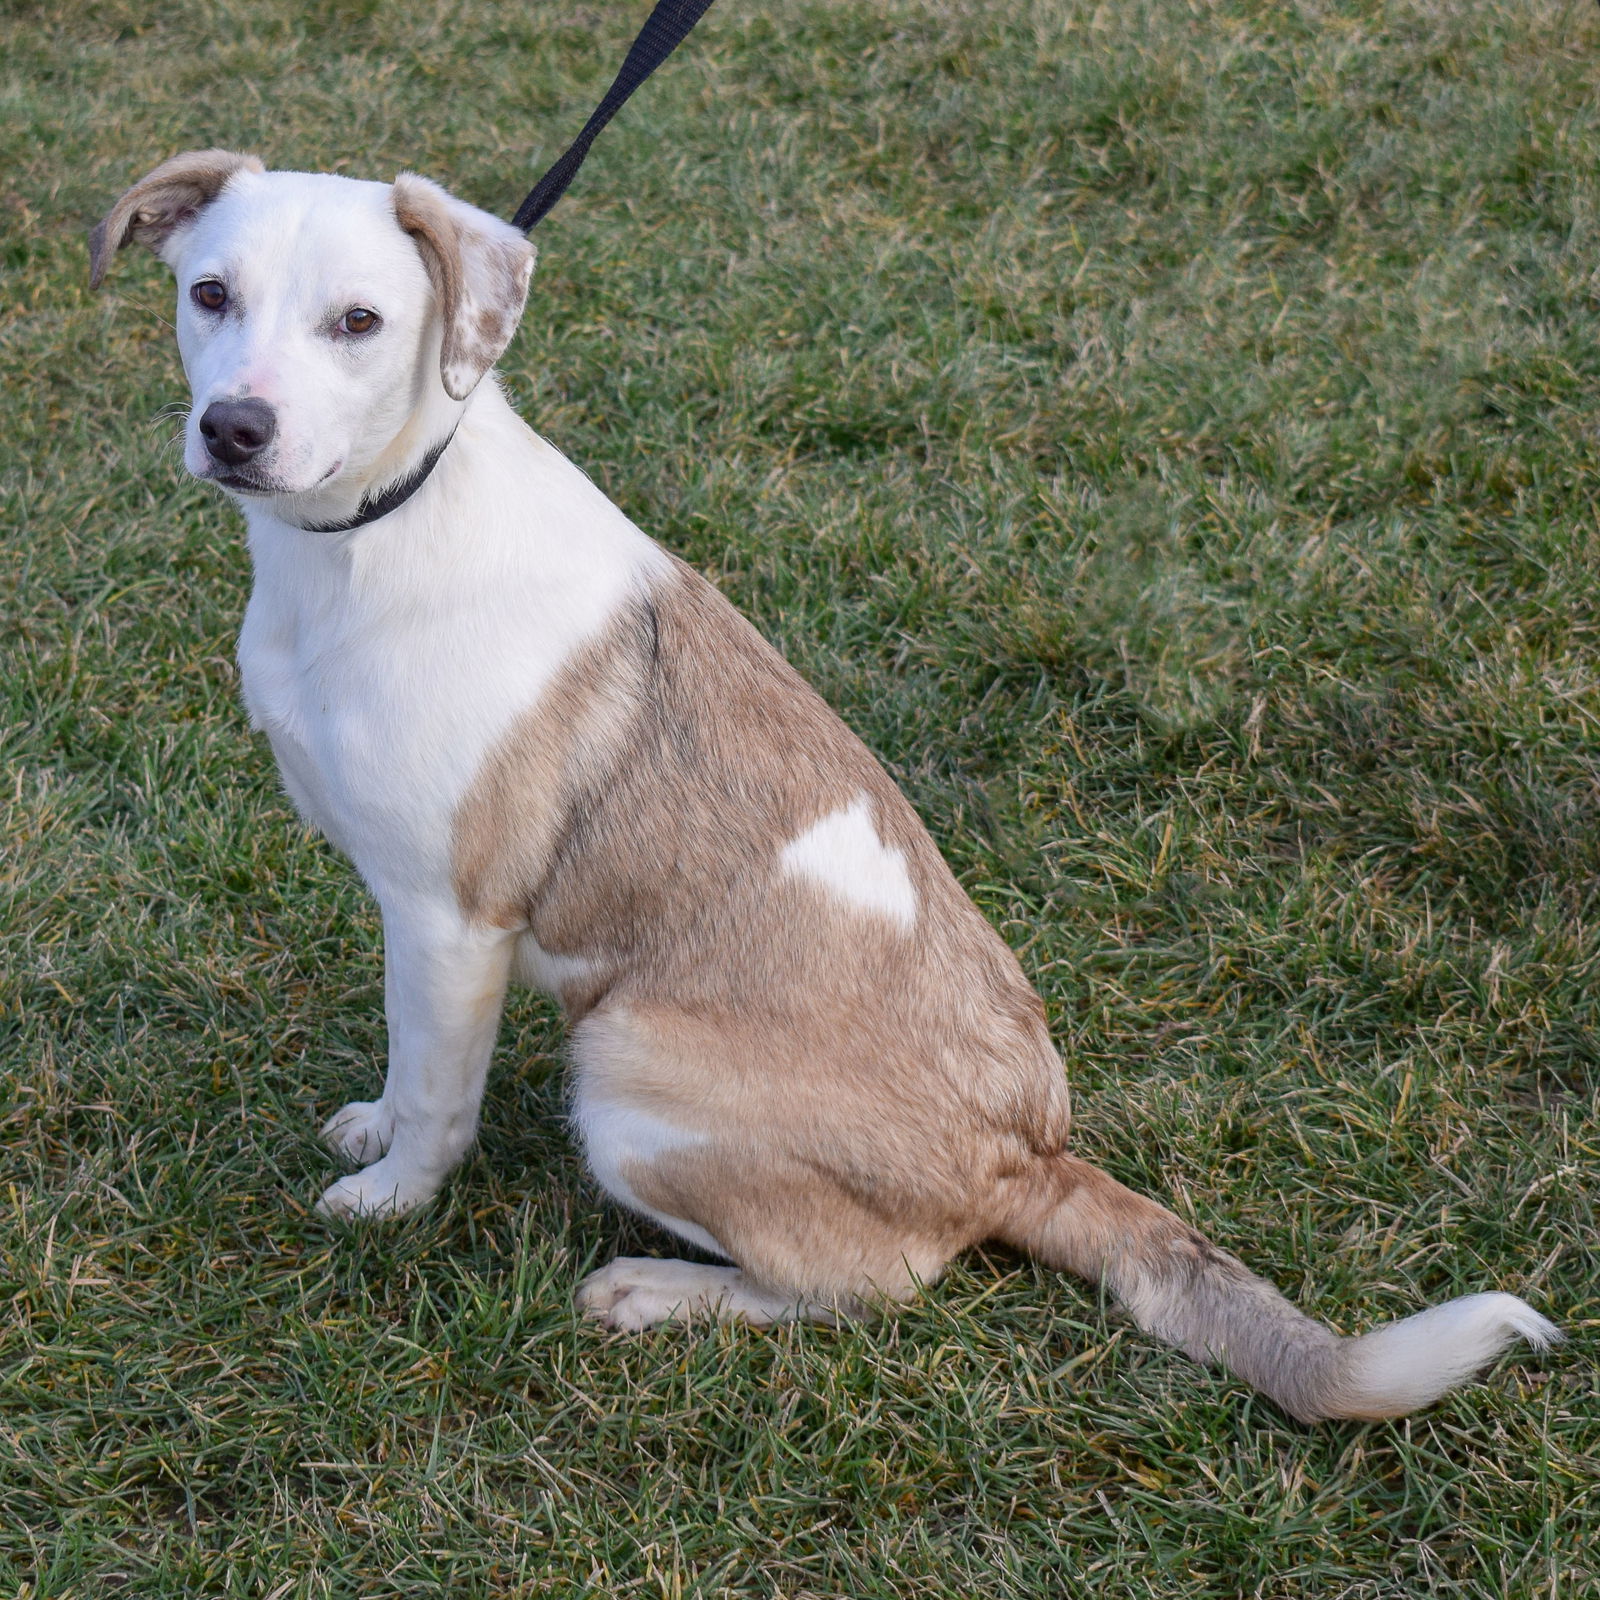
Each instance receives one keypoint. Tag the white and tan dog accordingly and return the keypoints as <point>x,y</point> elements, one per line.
<point>557,755</point>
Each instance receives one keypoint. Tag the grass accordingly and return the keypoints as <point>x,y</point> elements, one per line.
<point>1166,432</point>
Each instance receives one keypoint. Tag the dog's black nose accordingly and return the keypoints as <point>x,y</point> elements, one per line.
<point>237,431</point>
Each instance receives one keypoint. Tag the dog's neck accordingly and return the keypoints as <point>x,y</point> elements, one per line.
<point>375,506</point>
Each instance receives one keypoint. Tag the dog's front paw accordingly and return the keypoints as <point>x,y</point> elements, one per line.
<point>381,1190</point>
<point>362,1131</point>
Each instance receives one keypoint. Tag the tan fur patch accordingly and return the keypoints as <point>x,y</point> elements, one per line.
<point>481,281</point>
<point>163,200</point>
<point>869,1093</point>
<point>422,214</point>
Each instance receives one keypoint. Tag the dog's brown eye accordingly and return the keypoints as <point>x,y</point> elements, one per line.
<point>359,320</point>
<point>209,295</point>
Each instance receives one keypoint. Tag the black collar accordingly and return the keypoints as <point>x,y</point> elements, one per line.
<point>372,507</point>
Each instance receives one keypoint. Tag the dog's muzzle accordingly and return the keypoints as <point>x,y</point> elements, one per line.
<point>237,431</point>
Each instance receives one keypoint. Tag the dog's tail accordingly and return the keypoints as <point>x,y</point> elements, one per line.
<point>1184,1290</point>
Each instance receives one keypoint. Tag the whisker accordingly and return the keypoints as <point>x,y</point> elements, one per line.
<point>149,311</point>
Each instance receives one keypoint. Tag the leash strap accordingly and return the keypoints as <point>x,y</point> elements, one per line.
<point>664,30</point>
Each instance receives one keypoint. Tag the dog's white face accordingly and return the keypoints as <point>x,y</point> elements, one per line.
<point>329,327</point>
<point>301,294</point>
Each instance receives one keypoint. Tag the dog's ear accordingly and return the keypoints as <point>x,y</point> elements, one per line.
<point>162,201</point>
<point>480,268</point>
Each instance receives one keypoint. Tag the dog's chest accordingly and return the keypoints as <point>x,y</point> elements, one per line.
<point>357,714</point>
<point>383,689</point>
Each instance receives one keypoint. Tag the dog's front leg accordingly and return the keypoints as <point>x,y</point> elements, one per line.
<point>444,985</point>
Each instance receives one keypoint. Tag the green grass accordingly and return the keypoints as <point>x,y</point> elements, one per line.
<point>1167,433</point>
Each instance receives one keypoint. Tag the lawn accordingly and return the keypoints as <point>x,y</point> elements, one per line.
<point>1167,433</point>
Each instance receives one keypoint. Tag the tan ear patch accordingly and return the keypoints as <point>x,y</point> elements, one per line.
<point>162,201</point>
<point>480,269</point>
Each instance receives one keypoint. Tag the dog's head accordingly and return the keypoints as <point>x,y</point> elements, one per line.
<point>319,317</point>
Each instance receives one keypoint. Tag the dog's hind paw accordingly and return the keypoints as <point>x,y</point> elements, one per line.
<point>637,1292</point>
<point>360,1131</point>
<point>380,1190</point>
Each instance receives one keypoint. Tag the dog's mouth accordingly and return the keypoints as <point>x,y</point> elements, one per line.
<point>245,483</point>
<point>242,481</point>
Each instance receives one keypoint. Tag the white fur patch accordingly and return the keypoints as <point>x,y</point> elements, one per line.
<point>845,856</point>
<point>619,1136</point>
<point>543,969</point>
<point>1396,1368</point>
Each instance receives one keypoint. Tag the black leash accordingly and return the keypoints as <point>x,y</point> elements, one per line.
<point>665,29</point>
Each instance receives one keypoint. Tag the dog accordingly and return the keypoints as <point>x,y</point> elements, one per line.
<point>558,756</point>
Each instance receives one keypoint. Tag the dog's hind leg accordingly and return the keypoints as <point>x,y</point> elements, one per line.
<point>804,1248</point>
<point>783,1186</point>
